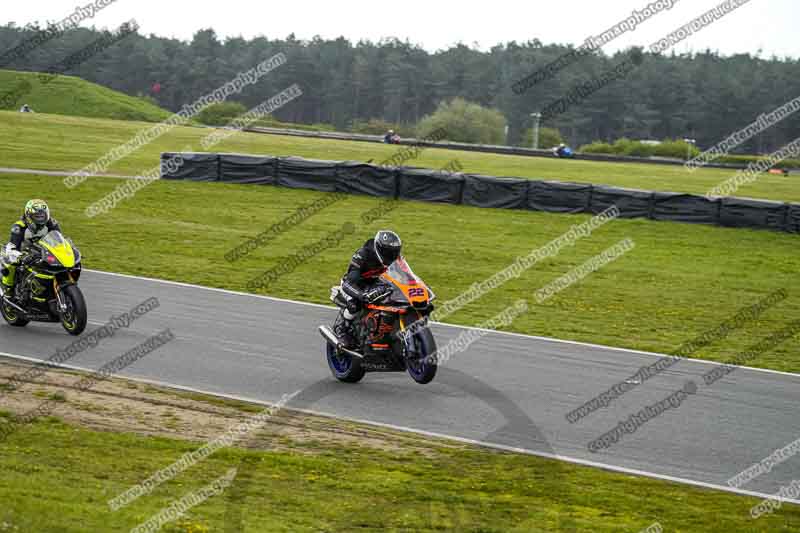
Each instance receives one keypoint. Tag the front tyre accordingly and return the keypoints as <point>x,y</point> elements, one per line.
<point>345,368</point>
<point>11,315</point>
<point>421,357</point>
<point>74,318</point>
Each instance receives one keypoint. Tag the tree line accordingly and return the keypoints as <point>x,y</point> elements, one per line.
<point>703,96</point>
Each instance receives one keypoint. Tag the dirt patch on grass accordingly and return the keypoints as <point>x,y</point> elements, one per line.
<point>120,405</point>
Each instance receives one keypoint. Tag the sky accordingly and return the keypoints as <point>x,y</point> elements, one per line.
<point>768,26</point>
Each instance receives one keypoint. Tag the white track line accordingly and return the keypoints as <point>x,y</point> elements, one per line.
<point>508,333</point>
<point>431,434</point>
<point>6,170</point>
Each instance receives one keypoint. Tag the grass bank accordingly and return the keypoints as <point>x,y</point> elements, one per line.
<point>307,474</point>
<point>53,142</point>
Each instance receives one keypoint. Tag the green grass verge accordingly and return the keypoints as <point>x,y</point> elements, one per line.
<point>680,281</point>
<point>58,478</point>
<point>49,142</point>
<point>68,95</point>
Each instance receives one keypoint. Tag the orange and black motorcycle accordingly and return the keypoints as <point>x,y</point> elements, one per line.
<point>392,334</point>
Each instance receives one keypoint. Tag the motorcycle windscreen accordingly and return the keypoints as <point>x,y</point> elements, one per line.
<point>55,243</point>
<point>407,286</point>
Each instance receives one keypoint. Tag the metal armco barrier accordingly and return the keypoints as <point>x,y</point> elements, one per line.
<point>485,148</point>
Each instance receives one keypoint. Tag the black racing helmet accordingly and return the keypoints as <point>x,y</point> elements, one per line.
<point>387,247</point>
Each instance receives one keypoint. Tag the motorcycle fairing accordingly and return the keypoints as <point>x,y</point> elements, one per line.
<point>60,248</point>
<point>407,287</point>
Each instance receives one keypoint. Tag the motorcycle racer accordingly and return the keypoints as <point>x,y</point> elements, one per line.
<point>366,267</point>
<point>35,223</point>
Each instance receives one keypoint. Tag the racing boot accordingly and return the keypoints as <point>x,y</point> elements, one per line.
<point>344,330</point>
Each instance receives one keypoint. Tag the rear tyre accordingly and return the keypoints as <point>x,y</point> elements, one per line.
<point>345,368</point>
<point>11,315</point>
<point>75,317</point>
<point>421,366</point>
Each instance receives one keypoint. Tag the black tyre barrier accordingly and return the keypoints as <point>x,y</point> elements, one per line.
<point>409,183</point>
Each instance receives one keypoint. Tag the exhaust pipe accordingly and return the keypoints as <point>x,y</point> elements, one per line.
<point>333,340</point>
<point>9,302</point>
<point>329,336</point>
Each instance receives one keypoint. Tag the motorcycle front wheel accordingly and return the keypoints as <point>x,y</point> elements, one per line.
<point>421,358</point>
<point>74,318</point>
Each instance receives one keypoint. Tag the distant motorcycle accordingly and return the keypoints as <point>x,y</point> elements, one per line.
<point>46,288</point>
<point>563,151</point>
<point>391,333</point>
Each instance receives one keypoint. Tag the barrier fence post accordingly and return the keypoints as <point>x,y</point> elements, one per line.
<point>652,207</point>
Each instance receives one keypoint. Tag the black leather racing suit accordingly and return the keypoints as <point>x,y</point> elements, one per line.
<point>363,272</point>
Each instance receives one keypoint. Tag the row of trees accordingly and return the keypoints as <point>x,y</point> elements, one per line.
<point>704,96</point>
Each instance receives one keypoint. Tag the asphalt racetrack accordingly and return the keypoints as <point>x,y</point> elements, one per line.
<point>506,390</point>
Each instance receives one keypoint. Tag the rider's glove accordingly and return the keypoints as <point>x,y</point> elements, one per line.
<point>11,253</point>
<point>375,294</point>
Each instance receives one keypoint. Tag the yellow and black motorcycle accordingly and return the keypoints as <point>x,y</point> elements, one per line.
<point>46,285</point>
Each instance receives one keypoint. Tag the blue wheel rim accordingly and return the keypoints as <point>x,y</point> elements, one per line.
<point>417,365</point>
<point>341,365</point>
<point>417,370</point>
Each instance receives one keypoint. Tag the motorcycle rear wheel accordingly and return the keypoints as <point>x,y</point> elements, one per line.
<point>345,368</point>
<point>12,316</point>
